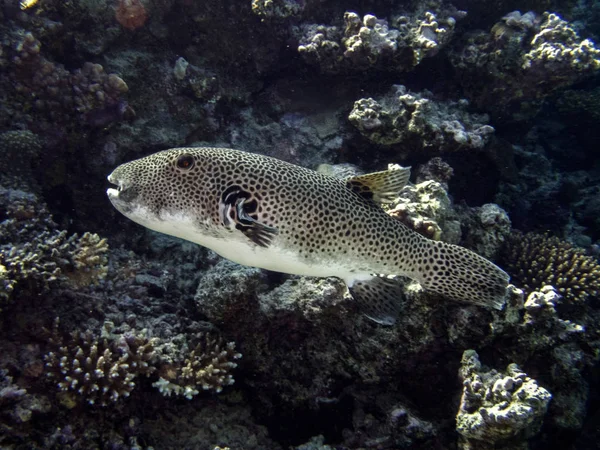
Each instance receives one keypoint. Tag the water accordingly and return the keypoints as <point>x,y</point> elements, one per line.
<point>495,110</point>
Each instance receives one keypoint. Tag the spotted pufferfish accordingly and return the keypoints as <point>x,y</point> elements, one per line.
<point>263,212</point>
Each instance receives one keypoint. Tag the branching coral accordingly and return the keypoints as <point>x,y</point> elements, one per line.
<point>535,260</point>
<point>35,255</point>
<point>98,371</point>
<point>51,258</point>
<point>90,262</point>
<point>17,405</point>
<point>207,367</point>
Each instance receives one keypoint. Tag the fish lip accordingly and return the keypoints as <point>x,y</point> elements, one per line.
<point>112,192</point>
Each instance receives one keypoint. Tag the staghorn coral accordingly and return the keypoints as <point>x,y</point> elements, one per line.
<point>52,258</point>
<point>535,260</point>
<point>97,371</point>
<point>418,120</point>
<point>495,407</point>
<point>207,367</point>
<point>35,255</point>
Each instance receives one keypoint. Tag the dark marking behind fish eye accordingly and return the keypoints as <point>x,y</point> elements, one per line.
<point>185,162</point>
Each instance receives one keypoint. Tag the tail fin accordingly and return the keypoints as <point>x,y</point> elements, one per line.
<point>460,274</point>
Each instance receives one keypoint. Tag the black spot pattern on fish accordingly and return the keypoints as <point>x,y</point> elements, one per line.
<point>318,217</point>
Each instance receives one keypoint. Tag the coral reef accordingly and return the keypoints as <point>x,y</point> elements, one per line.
<point>131,14</point>
<point>276,9</point>
<point>52,258</point>
<point>580,103</point>
<point>370,42</point>
<point>206,367</point>
<point>417,120</point>
<point>208,425</point>
<point>521,68</point>
<point>42,93</point>
<point>426,208</point>
<point>18,149</point>
<point>565,344</point>
<point>487,228</point>
<point>261,76</point>
<point>437,170</point>
<point>496,407</point>
<point>97,371</point>
<point>535,260</point>
<point>17,406</point>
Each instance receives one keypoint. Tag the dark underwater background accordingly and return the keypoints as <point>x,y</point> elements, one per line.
<point>116,337</point>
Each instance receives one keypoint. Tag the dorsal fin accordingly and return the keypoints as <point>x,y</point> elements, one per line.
<point>381,187</point>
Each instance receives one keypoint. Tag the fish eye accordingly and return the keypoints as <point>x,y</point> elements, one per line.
<point>185,162</point>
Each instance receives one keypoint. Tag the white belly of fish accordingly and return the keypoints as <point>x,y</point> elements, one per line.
<point>235,246</point>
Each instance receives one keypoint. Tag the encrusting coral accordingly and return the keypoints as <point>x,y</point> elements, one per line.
<point>370,42</point>
<point>535,260</point>
<point>35,87</point>
<point>420,121</point>
<point>427,209</point>
<point>495,407</point>
<point>276,9</point>
<point>207,367</point>
<point>525,57</point>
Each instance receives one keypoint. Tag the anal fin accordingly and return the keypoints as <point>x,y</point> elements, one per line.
<point>381,187</point>
<point>378,298</point>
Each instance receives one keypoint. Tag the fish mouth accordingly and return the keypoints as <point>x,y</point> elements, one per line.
<point>120,195</point>
<point>113,193</point>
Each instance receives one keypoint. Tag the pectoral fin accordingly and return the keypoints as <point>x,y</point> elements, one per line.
<point>259,233</point>
<point>238,211</point>
<point>378,298</point>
